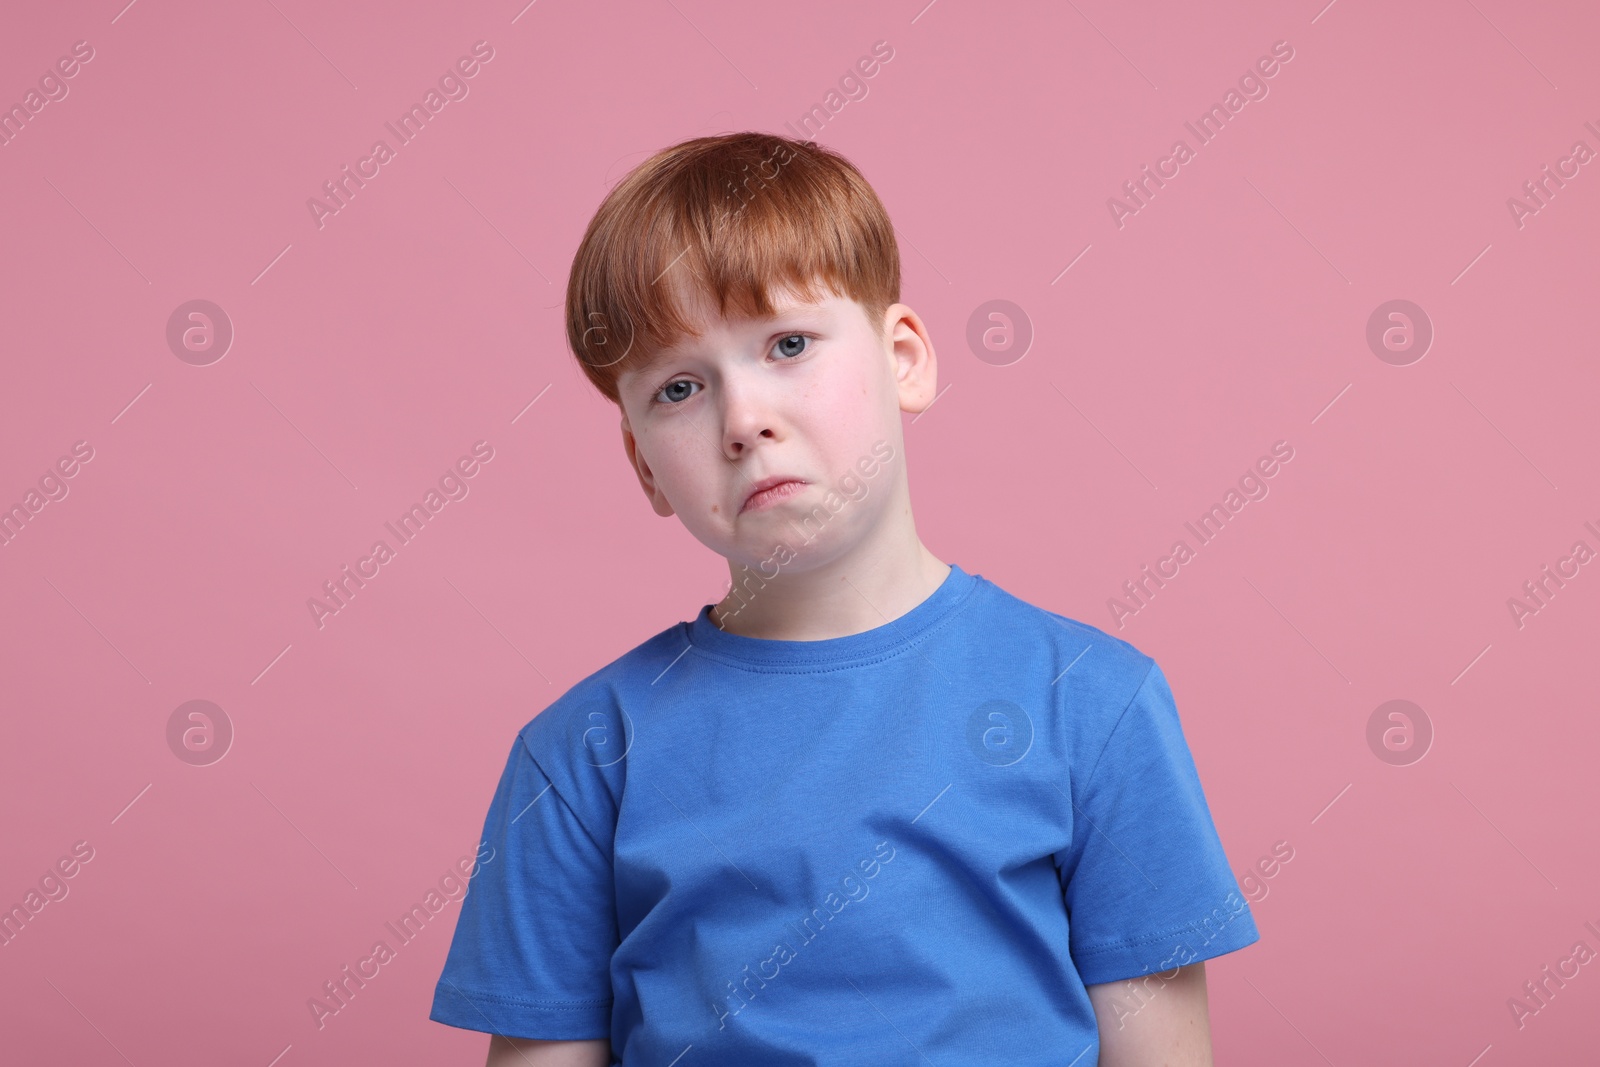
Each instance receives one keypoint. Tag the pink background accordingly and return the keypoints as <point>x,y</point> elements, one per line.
<point>369,354</point>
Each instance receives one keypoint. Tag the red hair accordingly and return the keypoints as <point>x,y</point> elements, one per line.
<point>736,216</point>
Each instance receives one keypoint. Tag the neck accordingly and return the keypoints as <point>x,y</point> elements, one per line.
<point>867,588</point>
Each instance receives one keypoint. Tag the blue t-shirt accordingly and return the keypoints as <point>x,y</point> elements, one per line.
<point>911,845</point>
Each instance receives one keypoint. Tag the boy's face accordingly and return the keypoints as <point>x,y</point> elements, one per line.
<point>804,394</point>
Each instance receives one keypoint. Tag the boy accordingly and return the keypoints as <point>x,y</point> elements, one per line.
<point>869,808</point>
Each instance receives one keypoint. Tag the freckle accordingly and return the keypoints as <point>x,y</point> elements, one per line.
<point>715,508</point>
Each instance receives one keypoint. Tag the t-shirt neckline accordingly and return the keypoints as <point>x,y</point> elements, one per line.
<point>706,636</point>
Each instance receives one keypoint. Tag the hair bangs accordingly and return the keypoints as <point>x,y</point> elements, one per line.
<point>729,221</point>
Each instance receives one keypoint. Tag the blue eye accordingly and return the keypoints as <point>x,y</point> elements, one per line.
<point>673,397</point>
<point>673,392</point>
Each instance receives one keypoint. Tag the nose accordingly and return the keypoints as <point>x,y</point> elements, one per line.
<point>747,416</point>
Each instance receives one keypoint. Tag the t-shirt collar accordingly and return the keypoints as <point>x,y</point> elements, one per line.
<point>761,652</point>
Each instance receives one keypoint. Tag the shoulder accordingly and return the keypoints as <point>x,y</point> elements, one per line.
<point>1090,678</point>
<point>1095,659</point>
<point>603,693</point>
<point>579,739</point>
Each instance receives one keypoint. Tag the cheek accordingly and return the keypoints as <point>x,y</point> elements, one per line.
<point>858,387</point>
<point>836,432</point>
<point>678,460</point>
<point>868,411</point>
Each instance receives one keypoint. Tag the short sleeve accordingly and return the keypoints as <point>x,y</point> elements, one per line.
<point>1146,882</point>
<point>531,954</point>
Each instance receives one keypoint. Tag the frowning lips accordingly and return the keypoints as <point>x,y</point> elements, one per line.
<point>759,492</point>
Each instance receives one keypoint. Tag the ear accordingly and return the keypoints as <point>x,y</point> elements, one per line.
<point>910,350</point>
<point>647,481</point>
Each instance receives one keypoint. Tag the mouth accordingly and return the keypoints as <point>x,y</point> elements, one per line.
<point>769,491</point>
